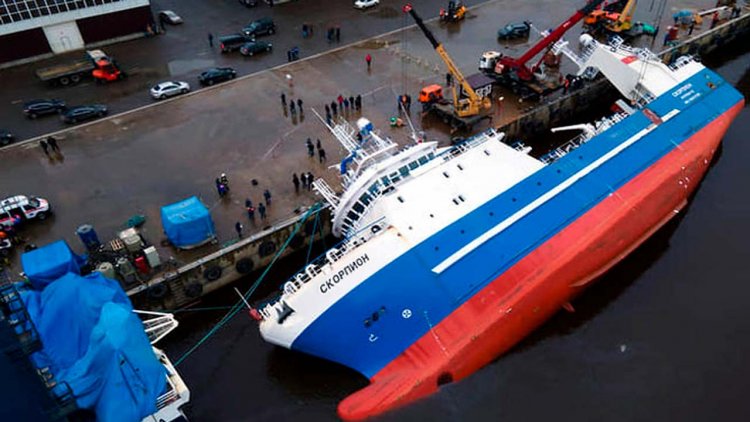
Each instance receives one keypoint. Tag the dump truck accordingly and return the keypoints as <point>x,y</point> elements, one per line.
<point>95,63</point>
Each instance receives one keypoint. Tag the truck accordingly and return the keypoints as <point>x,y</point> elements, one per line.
<point>95,63</point>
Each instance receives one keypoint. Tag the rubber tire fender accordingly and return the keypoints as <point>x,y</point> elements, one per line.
<point>266,248</point>
<point>158,291</point>
<point>212,273</point>
<point>244,265</point>
<point>194,290</point>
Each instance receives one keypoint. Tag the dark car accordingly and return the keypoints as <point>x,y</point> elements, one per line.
<point>249,3</point>
<point>262,26</point>
<point>6,137</point>
<point>217,74</point>
<point>229,43</point>
<point>514,30</point>
<point>36,108</point>
<point>252,47</point>
<point>80,113</point>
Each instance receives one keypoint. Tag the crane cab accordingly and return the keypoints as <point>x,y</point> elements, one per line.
<point>431,94</point>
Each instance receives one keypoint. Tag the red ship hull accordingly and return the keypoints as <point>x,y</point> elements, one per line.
<point>529,293</point>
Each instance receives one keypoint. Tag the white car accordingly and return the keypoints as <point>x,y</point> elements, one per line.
<point>21,207</point>
<point>169,89</point>
<point>170,17</point>
<point>364,4</point>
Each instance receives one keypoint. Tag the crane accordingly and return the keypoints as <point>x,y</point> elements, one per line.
<point>469,105</point>
<point>507,64</point>
<point>624,19</point>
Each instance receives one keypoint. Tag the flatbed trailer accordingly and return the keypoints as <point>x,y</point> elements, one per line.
<point>94,63</point>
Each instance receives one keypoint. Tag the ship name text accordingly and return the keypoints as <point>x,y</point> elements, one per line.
<point>332,281</point>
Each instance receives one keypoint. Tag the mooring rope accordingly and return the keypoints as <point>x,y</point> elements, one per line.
<point>237,307</point>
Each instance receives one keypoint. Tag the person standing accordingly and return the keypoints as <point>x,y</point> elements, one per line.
<point>310,179</point>
<point>303,180</point>
<point>310,147</point>
<point>295,180</point>
<point>52,142</point>
<point>211,40</point>
<point>368,59</point>
<point>333,107</point>
<point>321,155</point>
<point>338,33</point>
<point>43,144</point>
<point>448,79</point>
<point>340,100</point>
<point>299,105</point>
<point>358,102</point>
<point>328,109</point>
<point>318,145</point>
<point>283,99</point>
<point>238,229</point>
<point>250,209</point>
<point>351,102</point>
<point>262,211</point>
<point>346,105</point>
<point>267,196</point>
<point>292,109</point>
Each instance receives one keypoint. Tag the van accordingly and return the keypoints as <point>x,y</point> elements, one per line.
<point>229,43</point>
<point>262,26</point>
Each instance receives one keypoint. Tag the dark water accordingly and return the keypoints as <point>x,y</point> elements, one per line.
<point>663,336</point>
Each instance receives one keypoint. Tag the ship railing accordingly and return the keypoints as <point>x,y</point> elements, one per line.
<point>681,61</point>
<point>325,190</point>
<point>471,143</point>
<point>169,397</point>
<point>599,127</point>
<point>315,267</point>
<point>159,326</point>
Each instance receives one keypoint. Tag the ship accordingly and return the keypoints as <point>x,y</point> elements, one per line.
<point>452,255</point>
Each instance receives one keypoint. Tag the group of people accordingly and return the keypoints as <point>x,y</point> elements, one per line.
<point>333,34</point>
<point>49,145</point>
<point>292,108</point>
<point>304,179</point>
<point>342,105</point>
<point>311,150</point>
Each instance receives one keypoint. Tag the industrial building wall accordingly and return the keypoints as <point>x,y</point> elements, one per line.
<point>114,25</point>
<point>23,44</point>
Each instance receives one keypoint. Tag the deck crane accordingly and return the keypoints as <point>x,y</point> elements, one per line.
<point>514,71</point>
<point>467,106</point>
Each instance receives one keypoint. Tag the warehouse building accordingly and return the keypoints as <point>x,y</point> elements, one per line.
<point>31,29</point>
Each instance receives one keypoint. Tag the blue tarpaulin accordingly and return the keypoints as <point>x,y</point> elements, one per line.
<point>48,263</point>
<point>187,223</point>
<point>94,342</point>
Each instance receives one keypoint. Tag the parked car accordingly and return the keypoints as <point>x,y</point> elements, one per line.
<point>84,112</point>
<point>170,17</point>
<point>364,4</point>
<point>169,89</point>
<point>36,108</point>
<point>217,74</point>
<point>6,137</point>
<point>514,30</point>
<point>229,43</point>
<point>262,26</point>
<point>249,3</point>
<point>24,208</point>
<point>253,47</point>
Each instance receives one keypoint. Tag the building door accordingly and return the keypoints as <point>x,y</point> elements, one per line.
<point>64,37</point>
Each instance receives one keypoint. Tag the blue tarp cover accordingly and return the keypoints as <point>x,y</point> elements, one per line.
<point>95,343</point>
<point>187,223</point>
<point>48,263</point>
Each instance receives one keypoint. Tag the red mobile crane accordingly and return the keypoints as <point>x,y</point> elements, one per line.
<point>514,72</point>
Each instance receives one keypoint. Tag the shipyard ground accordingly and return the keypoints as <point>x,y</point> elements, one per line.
<point>135,163</point>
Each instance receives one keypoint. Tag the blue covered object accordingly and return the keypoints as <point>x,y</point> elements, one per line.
<point>187,223</point>
<point>94,342</point>
<point>48,263</point>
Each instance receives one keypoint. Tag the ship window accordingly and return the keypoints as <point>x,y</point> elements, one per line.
<point>374,189</point>
<point>486,152</point>
<point>445,173</point>
<point>400,199</point>
<point>432,215</point>
<point>460,167</point>
<point>386,181</point>
<point>404,171</point>
<point>461,198</point>
<point>413,165</point>
<point>365,198</point>
<point>455,201</point>
<point>352,215</point>
<point>358,207</point>
<point>394,177</point>
<point>431,155</point>
<point>423,160</point>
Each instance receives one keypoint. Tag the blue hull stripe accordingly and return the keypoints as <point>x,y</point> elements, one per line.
<point>340,334</point>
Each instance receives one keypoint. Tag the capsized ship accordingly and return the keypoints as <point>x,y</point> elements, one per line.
<point>453,255</point>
